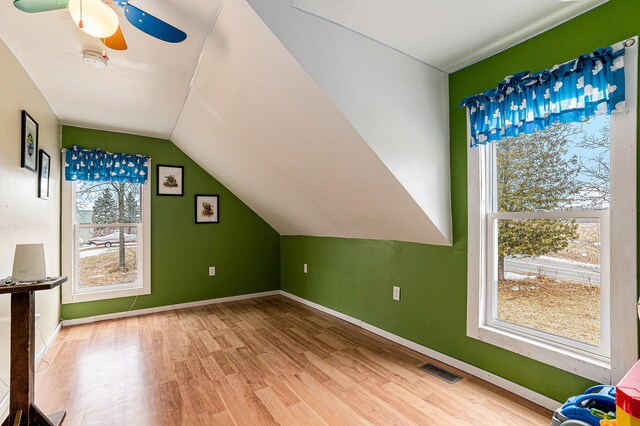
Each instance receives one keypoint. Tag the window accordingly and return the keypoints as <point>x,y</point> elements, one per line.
<point>106,240</point>
<point>548,205</point>
<point>552,243</point>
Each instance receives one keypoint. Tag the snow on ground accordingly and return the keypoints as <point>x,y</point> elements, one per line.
<point>513,276</point>
<point>591,266</point>
<point>89,252</point>
<point>97,251</point>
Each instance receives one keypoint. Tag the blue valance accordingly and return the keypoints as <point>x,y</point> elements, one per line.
<point>96,165</point>
<point>575,91</point>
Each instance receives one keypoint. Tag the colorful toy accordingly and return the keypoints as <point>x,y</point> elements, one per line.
<point>628,398</point>
<point>597,403</point>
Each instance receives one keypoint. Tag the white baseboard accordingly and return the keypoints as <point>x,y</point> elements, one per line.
<point>4,404</point>
<point>508,385</point>
<point>116,315</point>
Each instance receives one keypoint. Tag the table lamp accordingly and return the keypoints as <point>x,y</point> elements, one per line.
<point>29,263</point>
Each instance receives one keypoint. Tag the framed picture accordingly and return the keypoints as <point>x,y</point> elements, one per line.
<point>170,180</point>
<point>29,150</point>
<point>207,209</point>
<point>43,175</point>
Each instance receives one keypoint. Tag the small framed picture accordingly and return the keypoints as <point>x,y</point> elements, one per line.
<point>170,180</point>
<point>207,209</point>
<point>29,149</point>
<point>43,174</point>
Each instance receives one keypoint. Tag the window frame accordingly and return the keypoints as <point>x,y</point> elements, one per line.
<point>606,366</point>
<point>70,260</point>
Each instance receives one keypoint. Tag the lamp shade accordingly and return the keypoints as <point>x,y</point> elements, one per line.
<point>29,263</point>
<point>98,19</point>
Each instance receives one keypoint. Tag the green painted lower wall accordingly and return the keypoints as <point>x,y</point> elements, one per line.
<point>244,248</point>
<point>355,276</point>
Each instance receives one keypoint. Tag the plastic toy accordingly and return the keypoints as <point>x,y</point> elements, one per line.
<point>597,403</point>
<point>628,398</point>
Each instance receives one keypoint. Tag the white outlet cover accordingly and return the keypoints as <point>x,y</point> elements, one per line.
<point>212,271</point>
<point>396,293</point>
<point>305,268</point>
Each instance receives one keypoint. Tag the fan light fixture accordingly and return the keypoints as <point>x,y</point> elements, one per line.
<point>101,21</point>
<point>94,17</point>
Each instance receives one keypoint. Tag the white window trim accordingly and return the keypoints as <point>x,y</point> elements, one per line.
<point>623,332</point>
<point>69,261</point>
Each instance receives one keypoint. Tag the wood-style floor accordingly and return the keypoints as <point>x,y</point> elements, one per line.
<point>256,362</point>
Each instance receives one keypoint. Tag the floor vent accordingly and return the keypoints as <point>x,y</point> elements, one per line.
<point>445,375</point>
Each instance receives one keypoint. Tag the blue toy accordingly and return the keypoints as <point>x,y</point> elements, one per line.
<point>597,402</point>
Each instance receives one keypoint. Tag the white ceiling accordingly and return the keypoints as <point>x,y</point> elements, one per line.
<point>449,34</point>
<point>143,88</point>
<point>257,121</point>
<point>235,99</point>
<point>398,106</point>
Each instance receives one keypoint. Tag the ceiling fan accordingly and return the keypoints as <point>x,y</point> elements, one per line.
<point>99,20</point>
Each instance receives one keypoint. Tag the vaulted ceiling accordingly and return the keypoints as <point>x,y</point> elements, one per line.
<point>326,117</point>
<point>447,35</point>
<point>143,88</point>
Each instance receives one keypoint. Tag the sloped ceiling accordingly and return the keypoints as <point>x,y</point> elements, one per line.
<point>282,138</point>
<point>450,34</point>
<point>259,123</point>
<point>398,105</point>
<point>143,88</point>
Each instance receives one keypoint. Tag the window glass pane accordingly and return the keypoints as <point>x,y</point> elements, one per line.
<point>108,202</point>
<point>564,167</point>
<point>108,256</point>
<point>549,276</point>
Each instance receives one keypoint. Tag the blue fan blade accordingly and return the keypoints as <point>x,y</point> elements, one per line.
<point>152,25</point>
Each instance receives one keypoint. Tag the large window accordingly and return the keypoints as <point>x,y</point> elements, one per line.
<point>552,242</point>
<point>106,240</point>
<point>547,234</point>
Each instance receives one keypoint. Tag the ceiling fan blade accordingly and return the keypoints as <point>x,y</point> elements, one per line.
<point>153,26</point>
<point>35,6</point>
<point>116,41</point>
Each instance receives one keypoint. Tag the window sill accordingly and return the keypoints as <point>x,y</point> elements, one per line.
<point>574,361</point>
<point>106,294</point>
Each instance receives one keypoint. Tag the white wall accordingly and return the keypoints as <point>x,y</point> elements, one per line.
<point>398,105</point>
<point>24,218</point>
<point>256,120</point>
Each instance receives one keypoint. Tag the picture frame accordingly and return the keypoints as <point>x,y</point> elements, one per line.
<point>44,172</point>
<point>170,180</point>
<point>29,143</point>
<point>207,208</point>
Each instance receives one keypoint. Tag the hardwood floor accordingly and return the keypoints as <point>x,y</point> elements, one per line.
<point>254,362</point>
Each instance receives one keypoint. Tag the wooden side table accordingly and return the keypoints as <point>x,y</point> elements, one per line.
<point>22,410</point>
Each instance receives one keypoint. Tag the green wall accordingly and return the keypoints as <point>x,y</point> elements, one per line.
<point>355,276</point>
<point>244,249</point>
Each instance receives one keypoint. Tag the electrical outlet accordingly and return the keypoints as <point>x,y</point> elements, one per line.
<point>212,271</point>
<point>305,268</point>
<point>396,293</point>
